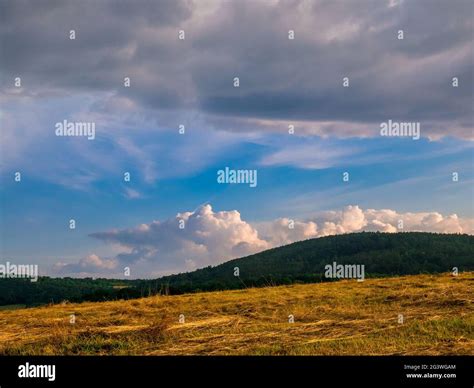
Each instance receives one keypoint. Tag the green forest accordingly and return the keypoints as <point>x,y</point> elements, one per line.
<point>383,254</point>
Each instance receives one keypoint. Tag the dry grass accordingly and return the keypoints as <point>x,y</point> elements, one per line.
<point>340,318</point>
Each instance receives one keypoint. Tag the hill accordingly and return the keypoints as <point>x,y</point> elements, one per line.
<point>382,254</point>
<point>416,315</point>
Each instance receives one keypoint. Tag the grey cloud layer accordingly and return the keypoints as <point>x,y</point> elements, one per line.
<point>281,79</point>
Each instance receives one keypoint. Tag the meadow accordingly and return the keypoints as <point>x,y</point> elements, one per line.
<point>408,315</point>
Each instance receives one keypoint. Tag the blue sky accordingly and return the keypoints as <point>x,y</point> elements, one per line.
<point>190,82</point>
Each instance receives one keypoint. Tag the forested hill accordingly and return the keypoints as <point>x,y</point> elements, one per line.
<point>383,254</point>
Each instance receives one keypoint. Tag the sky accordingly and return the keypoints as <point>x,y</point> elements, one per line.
<point>316,82</point>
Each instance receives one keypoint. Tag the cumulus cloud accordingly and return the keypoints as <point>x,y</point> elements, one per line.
<point>203,237</point>
<point>354,219</point>
<point>386,220</point>
<point>91,264</point>
<point>191,239</point>
<point>285,231</point>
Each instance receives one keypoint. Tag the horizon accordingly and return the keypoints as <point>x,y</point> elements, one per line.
<point>131,278</point>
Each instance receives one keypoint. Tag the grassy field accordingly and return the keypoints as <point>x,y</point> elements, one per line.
<point>339,318</point>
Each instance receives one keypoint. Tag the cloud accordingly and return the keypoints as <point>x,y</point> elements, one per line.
<point>91,264</point>
<point>131,193</point>
<point>387,220</point>
<point>206,238</point>
<point>354,219</point>
<point>210,238</point>
<point>285,231</point>
<point>189,82</point>
<point>281,80</point>
<point>309,156</point>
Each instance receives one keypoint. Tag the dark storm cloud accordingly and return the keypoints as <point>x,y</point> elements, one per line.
<point>280,79</point>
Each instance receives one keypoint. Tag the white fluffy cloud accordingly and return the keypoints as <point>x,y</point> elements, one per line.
<point>285,231</point>
<point>386,220</point>
<point>189,240</point>
<point>354,219</point>
<point>210,238</point>
<point>87,265</point>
